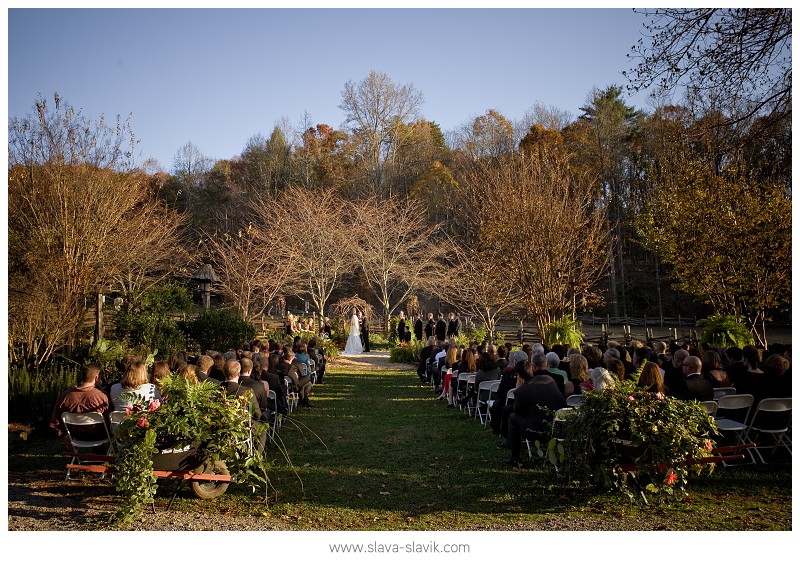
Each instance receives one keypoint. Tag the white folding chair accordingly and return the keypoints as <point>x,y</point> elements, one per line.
<point>720,392</point>
<point>461,387</point>
<point>733,412</point>
<point>312,371</point>
<point>77,424</point>
<point>292,398</point>
<point>773,417</point>
<point>510,396</point>
<point>275,418</point>
<point>576,400</point>
<point>115,418</point>
<point>710,407</point>
<point>470,381</point>
<point>482,400</point>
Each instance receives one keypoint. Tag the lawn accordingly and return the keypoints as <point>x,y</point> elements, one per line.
<point>377,452</point>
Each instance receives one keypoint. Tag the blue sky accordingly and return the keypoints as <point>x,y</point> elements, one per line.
<point>216,77</point>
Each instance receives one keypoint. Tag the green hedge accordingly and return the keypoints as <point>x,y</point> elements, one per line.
<point>33,392</point>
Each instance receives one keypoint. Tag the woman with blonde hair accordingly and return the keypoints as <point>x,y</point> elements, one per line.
<point>188,372</point>
<point>578,373</point>
<point>161,372</point>
<point>134,380</point>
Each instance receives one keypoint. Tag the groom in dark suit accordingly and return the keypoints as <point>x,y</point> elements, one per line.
<point>365,333</point>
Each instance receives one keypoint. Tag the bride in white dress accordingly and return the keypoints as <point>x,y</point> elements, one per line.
<point>353,345</point>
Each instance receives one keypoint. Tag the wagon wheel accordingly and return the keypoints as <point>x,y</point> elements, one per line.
<point>210,489</point>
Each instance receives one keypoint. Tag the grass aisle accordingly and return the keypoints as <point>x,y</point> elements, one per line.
<point>377,452</point>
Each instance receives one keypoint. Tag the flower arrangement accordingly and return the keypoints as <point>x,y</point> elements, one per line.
<point>191,416</point>
<point>627,425</point>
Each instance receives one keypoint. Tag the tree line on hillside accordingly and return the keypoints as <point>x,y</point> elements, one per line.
<point>552,214</point>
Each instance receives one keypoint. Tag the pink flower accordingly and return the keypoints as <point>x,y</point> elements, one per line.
<point>128,410</point>
<point>141,423</point>
<point>630,398</point>
<point>154,405</point>
<point>672,478</point>
<point>708,445</point>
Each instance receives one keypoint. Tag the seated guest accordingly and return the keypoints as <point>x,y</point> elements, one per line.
<point>233,388</point>
<point>451,361</point>
<point>778,376</point>
<point>695,386</point>
<point>712,369</point>
<point>753,380</point>
<point>502,357</point>
<point>651,379</point>
<point>673,372</point>
<point>579,374</point>
<point>508,380</point>
<point>204,365</point>
<point>616,368</point>
<point>425,354</point>
<point>85,397</point>
<point>601,379</point>
<point>535,400</point>
<point>176,360</point>
<point>134,380</point>
<point>317,353</point>
<point>217,370</point>
<point>438,364</point>
<point>269,375</point>
<point>734,365</point>
<point>189,373</point>
<point>466,364</point>
<point>553,361</point>
<point>301,353</point>
<point>290,367</point>
<point>259,388</point>
<point>487,371</point>
<point>593,355</point>
<point>161,371</point>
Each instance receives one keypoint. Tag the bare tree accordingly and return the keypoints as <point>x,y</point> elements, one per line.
<point>252,271</point>
<point>396,248</point>
<point>376,110</point>
<point>474,282</point>
<point>312,228</point>
<point>738,58</point>
<point>550,230</point>
<point>75,224</point>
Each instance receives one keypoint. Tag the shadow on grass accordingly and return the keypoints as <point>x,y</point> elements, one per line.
<point>390,447</point>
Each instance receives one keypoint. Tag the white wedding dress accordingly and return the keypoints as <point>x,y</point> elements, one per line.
<point>353,345</point>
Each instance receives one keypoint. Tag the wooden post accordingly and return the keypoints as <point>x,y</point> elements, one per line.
<point>98,326</point>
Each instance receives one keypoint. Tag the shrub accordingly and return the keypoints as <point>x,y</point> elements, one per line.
<point>219,329</point>
<point>149,321</point>
<point>406,353</point>
<point>628,425</point>
<point>723,331</point>
<point>565,330</point>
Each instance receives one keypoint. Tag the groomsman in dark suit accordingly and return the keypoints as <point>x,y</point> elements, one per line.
<point>430,327</point>
<point>441,328</point>
<point>453,326</point>
<point>364,332</point>
<point>418,326</point>
<point>401,328</point>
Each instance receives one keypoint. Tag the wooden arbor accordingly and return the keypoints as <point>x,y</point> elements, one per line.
<point>342,310</point>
